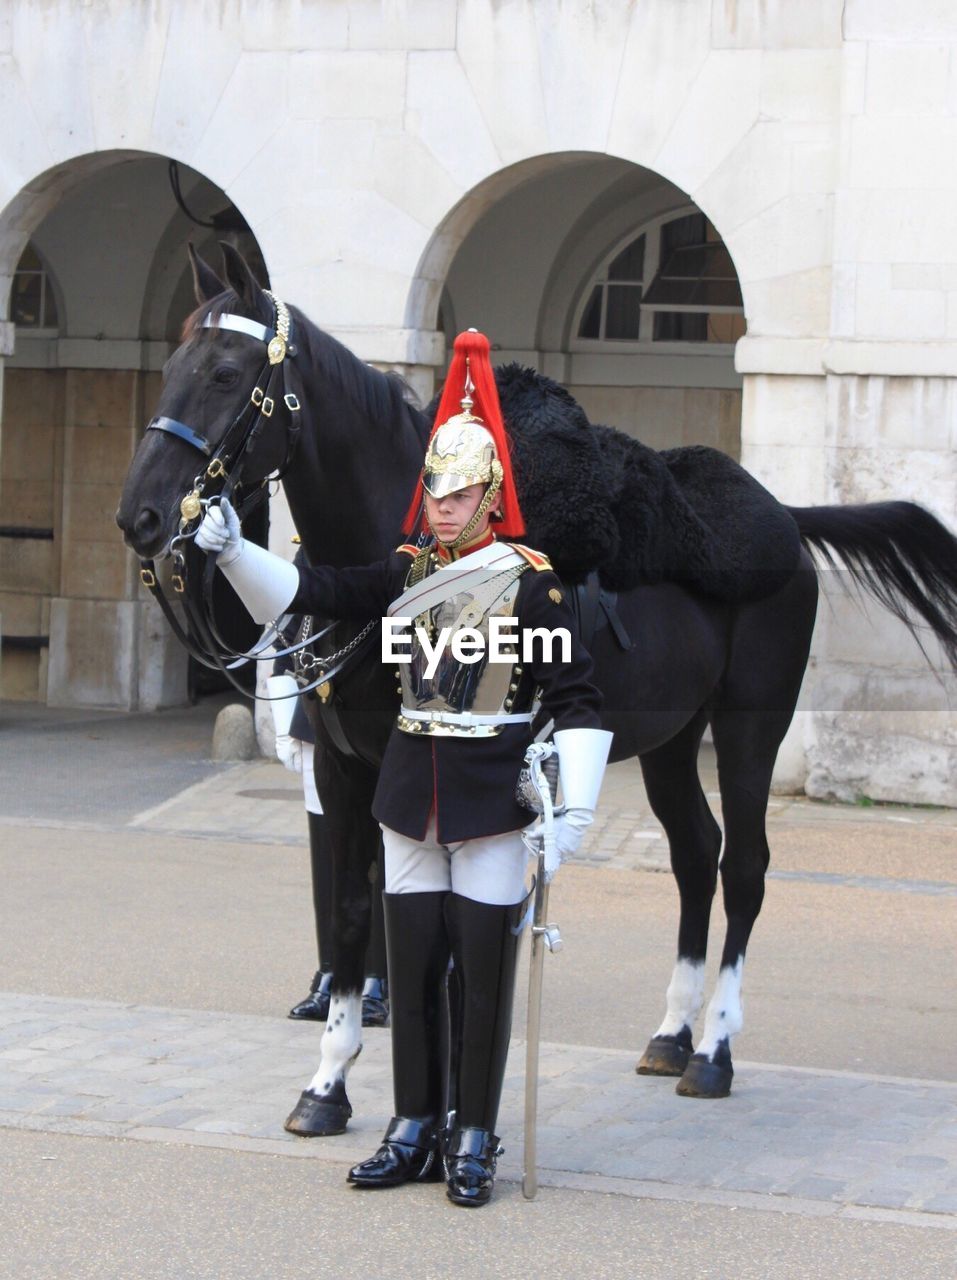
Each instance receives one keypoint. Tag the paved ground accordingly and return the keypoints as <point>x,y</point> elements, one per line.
<point>153,919</point>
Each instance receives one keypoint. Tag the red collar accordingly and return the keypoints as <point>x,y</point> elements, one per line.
<point>446,555</point>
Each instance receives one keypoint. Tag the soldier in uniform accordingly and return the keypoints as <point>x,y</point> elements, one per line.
<point>455,861</point>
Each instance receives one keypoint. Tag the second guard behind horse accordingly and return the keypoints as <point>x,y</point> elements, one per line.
<point>295,748</point>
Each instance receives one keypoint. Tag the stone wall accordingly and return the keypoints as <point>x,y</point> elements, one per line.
<point>31,471</point>
<point>68,438</point>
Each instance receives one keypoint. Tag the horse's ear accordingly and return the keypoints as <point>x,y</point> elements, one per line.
<point>239,275</point>
<point>206,283</point>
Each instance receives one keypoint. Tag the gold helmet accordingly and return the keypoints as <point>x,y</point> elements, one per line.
<point>461,453</point>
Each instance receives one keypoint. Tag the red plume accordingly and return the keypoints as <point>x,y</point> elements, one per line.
<point>474,347</point>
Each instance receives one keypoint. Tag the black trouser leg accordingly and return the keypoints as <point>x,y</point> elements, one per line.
<point>320,861</point>
<point>418,956</point>
<point>315,1007</point>
<point>375,993</point>
<point>485,941</point>
<point>376,956</point>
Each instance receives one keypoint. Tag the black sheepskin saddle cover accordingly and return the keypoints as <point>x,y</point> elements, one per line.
<point>594,498</point>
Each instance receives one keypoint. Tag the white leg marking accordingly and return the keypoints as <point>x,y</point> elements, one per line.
<point>341,1043</point>
<point>725,1016</point>
<point>685,993</point>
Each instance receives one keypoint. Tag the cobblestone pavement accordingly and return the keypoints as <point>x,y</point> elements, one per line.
<point>809,1142</point>
<point>812,1142</point>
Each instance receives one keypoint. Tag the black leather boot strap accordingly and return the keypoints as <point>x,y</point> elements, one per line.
<point>470,1141</point>
<point>421,1134</point>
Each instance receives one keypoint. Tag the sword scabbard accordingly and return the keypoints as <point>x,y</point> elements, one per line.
<point>536,969</point>
<point>544,774</point>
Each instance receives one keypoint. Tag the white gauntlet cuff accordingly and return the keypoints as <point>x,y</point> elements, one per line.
<point>265,583</point>
<point>582,756</point>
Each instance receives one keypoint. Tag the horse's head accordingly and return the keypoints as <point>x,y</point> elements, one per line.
<point>213,424</point>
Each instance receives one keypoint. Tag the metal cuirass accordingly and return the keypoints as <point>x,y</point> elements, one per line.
<point>458,690</point>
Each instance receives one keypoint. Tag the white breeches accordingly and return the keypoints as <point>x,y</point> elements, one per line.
<point>313,803</point>
<point>490,869</point>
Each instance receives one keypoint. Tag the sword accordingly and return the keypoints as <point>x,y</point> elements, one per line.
<point>542,762</point>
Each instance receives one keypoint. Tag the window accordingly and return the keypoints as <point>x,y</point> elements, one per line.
<point>32,303</point>
<point>674,282</point>
<point>613,311</point>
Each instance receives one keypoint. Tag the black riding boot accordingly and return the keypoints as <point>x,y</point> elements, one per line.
<point>418,950</point>
<point>315,1007</point>
<point>485,941</point>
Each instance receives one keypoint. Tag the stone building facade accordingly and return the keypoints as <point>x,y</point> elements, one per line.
<point>537,169</point>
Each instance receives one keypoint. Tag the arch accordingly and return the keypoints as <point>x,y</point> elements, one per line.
<point>24,213</point>
<point>627,193</point>
<point>109,228</point>
<point>447,239</point>
<point>519,252</point>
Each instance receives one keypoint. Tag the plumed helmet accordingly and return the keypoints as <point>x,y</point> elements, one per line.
<point>468,448</point>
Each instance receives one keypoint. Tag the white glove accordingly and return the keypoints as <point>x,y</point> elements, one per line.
<point>221,533</point>
<point>289,751</point>
<point>283,692</point>
<point>570,828</point>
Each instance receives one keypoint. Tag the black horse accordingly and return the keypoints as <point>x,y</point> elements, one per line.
<point>694,659</point>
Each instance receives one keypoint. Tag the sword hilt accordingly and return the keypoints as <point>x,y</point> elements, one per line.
<point>550,934</point>
<point>550,770</point>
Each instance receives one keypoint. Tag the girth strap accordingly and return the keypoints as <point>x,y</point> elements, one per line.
<point>595,607</point>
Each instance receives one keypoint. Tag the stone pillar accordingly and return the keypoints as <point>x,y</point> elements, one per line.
<point>875,718</point>
<point>885,711</point>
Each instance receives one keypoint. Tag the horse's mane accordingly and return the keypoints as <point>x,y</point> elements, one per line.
<point>384,397</point>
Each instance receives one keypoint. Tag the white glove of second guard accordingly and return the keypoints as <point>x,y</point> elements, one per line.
<point>289,752</point>
<point>221,532</point>
<point>284,693</point>
<point>569,831</point>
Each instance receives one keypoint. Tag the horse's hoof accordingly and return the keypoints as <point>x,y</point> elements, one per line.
<point>314,1117</point>
<point>704,1079</point>
<point>666,1055</point>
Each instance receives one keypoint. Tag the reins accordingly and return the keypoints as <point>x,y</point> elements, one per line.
<point>274,384</point>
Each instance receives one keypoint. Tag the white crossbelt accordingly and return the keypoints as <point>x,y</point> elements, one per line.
<point>466,717</point>
<point>455,578</point>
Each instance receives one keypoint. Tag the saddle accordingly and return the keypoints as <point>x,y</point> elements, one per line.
<point>595,499</point>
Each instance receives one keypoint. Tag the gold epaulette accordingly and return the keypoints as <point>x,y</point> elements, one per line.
<point>537,559</point>
<point>421,559</point>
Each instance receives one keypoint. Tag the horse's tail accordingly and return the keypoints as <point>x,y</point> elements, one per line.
<point>899,553</point>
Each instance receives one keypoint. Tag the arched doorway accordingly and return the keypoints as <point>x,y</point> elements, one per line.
<point>607,277</point>
<point>99,286</point>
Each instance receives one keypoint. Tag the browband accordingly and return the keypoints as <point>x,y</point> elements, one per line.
<point>251,328</point>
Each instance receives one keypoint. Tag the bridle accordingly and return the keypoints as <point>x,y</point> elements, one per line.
<point>238,441</point>
<point>274,385</point>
